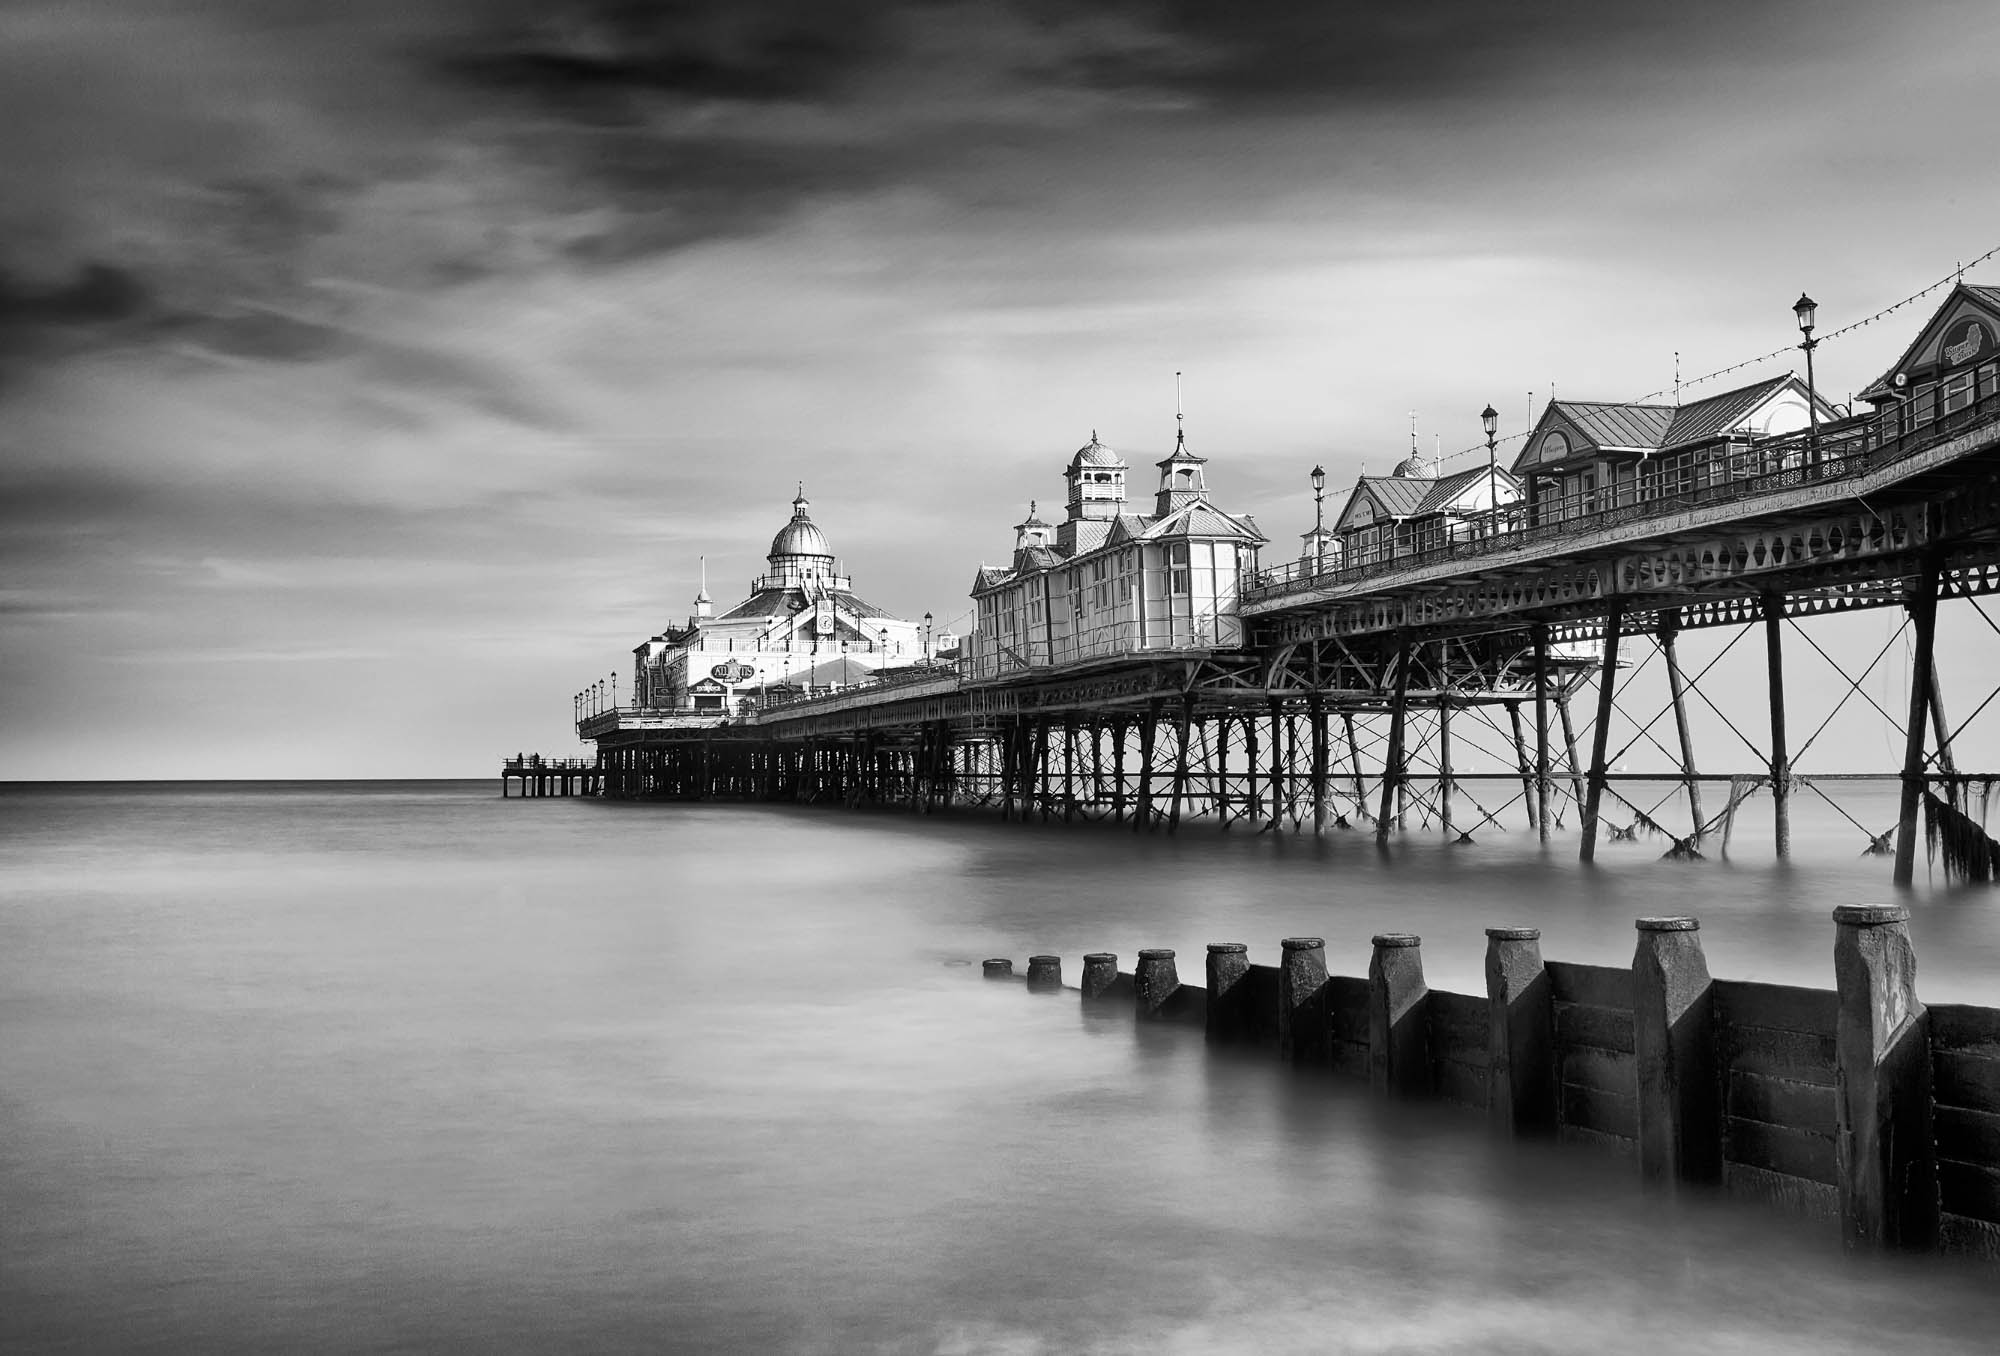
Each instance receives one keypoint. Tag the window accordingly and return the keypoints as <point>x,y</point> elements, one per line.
<point>1177,568</point>
<point>1957,392</point>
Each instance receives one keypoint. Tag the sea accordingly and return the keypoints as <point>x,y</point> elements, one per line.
<point>407,1067</point>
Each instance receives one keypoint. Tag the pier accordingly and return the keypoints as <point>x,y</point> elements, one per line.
<point>1149,670</point>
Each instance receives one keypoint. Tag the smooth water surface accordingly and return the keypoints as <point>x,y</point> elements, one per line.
<point>384,1067</point>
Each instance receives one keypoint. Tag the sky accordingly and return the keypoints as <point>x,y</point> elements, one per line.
<point>374,375</point>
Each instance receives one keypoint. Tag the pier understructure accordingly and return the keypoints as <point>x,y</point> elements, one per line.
<point>1504,680</point>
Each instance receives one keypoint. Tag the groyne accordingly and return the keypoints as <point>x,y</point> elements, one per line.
<point>1860,1105</point>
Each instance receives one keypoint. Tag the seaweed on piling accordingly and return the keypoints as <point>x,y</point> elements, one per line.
<point>1966,850</point>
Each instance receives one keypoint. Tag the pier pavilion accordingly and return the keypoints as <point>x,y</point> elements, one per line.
<point>802,630</point>
<point>1341,687</point>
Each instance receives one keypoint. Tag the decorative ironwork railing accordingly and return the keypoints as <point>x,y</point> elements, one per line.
<point>1671,485</point>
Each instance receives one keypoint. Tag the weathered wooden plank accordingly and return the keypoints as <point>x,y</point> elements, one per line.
<point>1459,1028</point>
<point>1965,1189</point>
<point>1622,1145</point>
<point>1588,1024</point>
<point>1811,1107</point>
<point>1967,1081</point>
<point>1814,1200</point>
<point>1347,1008</point>
<point>1777,1054</point>
<point>1604,986</point>
<point>1967,1237</point>
<point>1779,1148</point>
<point>1589,1108</point>
<point>1350,1057</point>
<point>1783,1007</point>
<point>1188,1005</point>
<point>1260,1004</point>
<point>1958,1026</point>
<point>1967,1136</point>
<point>1461,1082</point>
<point>1607,1070</point>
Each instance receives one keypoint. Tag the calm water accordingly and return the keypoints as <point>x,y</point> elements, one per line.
<point>404,1067</point>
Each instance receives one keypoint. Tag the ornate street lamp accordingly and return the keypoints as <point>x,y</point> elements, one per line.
<point>1489,420</point>
<point>1319,518</point>
<point>927,637</point>
<point>1806,309</point>
<point>843,663</point>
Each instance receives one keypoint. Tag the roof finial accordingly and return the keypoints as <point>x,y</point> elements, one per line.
<point>1031,510</point>
<point>1413,435</point>
<point>1180,427</point>
<point>1677,378</point>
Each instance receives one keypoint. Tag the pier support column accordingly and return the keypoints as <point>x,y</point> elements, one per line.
<point>1670,626</point>
<point>1520,1045</point>
<point>1884,1154</point>
<point>1680,1125</point>
<point>1228,991</point>
<point>1781,764</point>
<point>1541,809</point>
<point>1399,1058</point>
<point>1316,723</point>
<point>1303,1035</point>
<point>1392,758</point>
<point>1923,675</point>
<point>998,968</point>
<point>1600,735</point>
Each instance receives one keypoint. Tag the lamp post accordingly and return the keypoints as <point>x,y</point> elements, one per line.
<point>1489,420</point>
<point>843,663</point>
<point>1806,309</point>
<point>927,637</point>
<point>1319,518</point>
<point>882,648</point>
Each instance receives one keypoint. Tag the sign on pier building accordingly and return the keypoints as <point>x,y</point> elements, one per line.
<point>1107,582</point>
<point>801,630</point>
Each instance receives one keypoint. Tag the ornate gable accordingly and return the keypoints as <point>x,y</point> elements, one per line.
<point>1964,332</point>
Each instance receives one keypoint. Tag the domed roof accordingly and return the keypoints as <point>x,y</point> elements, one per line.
<point>1094,453</point>
<point>800,537</point>
<point>1415,468</point>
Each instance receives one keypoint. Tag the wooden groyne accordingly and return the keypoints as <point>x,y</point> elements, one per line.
<point>1858,1105</point>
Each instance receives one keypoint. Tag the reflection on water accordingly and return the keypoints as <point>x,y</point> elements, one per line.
<point>405,1067</point>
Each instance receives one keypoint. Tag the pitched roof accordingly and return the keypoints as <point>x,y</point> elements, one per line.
<point>1202,519</point>
<point>1920,359</point>
<point>1397,496</point>
<point>1704,419</point>
<point>1447,488</point>
<point>784,602</point>
<point>1618,426</point>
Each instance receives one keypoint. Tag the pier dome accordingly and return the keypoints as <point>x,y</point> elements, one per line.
<point>1415,468</point>
<point>1094,453</point>
<point>801,536</point>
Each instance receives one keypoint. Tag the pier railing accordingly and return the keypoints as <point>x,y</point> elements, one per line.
<point>1749,471</point>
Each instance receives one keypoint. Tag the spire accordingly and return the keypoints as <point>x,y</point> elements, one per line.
<point>703,609</point>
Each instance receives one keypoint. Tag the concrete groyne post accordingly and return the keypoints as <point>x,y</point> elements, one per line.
<point>1521,1052</point>
<point>1680,1114</point>
<point>1228,993</point>
<point>998,969</point>
<point>1884,1154</point>
<point>1154,982</point>
<point>1399,1057</point>
<point>1100,975</point>
<point>1044,974</point>
<point>1303,1036</point>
